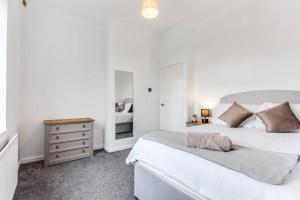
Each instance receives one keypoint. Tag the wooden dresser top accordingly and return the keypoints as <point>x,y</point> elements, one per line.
<point>67,121</point>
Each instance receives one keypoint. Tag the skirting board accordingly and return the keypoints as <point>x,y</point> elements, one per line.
<point>120,148</point>
<point>98,147</point>
<point>31,159</point>
<point>41,157</point>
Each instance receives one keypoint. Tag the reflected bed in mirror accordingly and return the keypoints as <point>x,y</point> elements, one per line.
<point>123,104</point>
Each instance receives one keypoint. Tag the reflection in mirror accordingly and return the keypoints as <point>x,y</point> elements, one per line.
<point>123,104</point>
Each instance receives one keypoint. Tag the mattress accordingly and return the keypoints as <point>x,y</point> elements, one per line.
<point>123,117</point>
<point>214,181</point>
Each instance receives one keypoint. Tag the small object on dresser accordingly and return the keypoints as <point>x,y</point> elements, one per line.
<point>205,116</point>
<point>68,139</point>
<point>194,118</point>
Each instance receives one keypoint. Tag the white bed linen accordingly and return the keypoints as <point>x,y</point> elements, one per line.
<point>123,117</point>
<point>214,181</point>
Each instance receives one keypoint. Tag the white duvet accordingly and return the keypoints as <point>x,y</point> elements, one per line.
<point>123,117</point>
<point>214,181</point>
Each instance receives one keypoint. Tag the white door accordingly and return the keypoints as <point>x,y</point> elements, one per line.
<point>172,98</point>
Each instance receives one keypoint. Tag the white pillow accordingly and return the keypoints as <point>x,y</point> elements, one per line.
<point>259,124</point>
<point>127,107</point>
<point>296,109</point>
<point>219,110</point>
<point>222,107</point>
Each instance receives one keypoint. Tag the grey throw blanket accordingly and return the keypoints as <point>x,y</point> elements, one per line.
<point>265,166</point>
<point>210,141</point>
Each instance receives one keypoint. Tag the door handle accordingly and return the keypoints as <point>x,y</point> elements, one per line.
<point>162,104</point>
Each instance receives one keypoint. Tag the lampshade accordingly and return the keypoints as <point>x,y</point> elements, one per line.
<point>150,9</point>
<point>204,112</point>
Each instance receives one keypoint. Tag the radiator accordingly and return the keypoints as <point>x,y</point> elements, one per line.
<point>9,169</point>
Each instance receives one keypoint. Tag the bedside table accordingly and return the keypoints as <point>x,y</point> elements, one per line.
<point>199,123</point>
<point>189,124</point>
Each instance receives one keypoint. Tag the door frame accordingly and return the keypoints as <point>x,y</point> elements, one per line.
<point>184,75</point>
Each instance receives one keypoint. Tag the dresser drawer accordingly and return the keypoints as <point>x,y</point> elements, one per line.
<point>65,137</point>
<point>66,155</point>
<point>69,127</point>
<point>69,145</point>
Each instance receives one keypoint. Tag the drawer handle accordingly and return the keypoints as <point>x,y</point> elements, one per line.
<point>83,151</point>
<point>57,156</point>
<point>83,143</point>
<point>57,137</point>
<point>57,128</point>
<point>83,134</point>
<point>83,126</point>
<point>57,147</point>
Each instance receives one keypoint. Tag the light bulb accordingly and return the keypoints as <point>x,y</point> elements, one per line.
<point>149,9</point>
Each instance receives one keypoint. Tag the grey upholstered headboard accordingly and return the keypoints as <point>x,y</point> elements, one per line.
<point>128,100</point>
<point>263,96</point>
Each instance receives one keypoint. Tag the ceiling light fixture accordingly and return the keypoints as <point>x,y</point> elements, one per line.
<point>149,9</point>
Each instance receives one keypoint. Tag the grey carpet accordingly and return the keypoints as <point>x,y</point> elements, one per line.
<point>123,135</point>
<point>104,177</point>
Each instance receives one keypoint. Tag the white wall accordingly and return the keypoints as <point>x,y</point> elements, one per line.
<point>63,74</point>
<point>252,45</point>
<point>68,69</point>
<point>130,49</point>
<point>13,66</point>
<point>3,63</point>
<point>255,46</point>
<point>176,46</point>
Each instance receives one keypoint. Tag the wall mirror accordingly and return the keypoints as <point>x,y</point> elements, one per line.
<point>123,104</point>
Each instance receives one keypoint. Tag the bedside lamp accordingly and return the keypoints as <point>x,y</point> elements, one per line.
<point>205,115</point>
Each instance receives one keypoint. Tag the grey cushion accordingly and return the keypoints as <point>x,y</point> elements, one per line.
<point>235,115</point>
<point>120,107</point>
<point>4,139</point>
<point>279,119</point>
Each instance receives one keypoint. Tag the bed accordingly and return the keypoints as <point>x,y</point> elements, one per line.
<point>157,165</point>
<point>124,120</point>
<point>122,117</point>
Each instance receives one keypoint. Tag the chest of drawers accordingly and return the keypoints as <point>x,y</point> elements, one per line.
<point>68,139</point>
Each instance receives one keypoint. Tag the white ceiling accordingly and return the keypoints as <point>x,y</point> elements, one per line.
<point>171,12</point>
